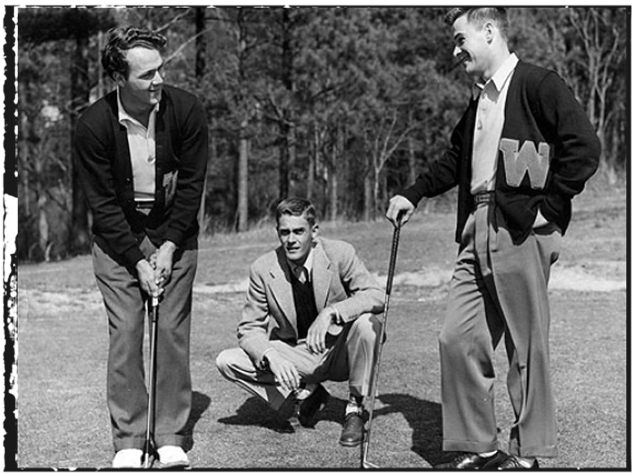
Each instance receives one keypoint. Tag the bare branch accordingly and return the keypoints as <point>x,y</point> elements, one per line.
<point>174,20</point>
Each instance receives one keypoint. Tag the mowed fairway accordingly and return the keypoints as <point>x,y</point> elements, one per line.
<point>62,344</point>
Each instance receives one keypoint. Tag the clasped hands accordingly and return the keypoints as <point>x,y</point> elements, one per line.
<point>154,273</point>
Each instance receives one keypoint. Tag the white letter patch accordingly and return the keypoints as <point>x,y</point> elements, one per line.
<point>528,160</point>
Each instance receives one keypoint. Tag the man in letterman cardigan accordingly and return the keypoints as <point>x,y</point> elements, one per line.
<point>521,151</point>
<point>311,315</point>
<point>142,155</point>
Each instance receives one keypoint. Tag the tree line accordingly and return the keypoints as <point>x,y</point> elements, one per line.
<point>339,105</point>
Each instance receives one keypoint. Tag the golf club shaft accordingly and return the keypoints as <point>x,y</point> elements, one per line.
<point>374,376</point>
<point>153,317</point>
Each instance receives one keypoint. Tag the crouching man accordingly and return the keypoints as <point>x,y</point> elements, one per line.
<point>311,315</point>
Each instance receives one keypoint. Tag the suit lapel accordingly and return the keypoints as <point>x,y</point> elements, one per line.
<point>281,288</point>
<point>322,276</point>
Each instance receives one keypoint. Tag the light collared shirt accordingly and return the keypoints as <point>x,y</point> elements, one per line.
<point>308,266</point>
<point>489,124</point>
<point>142,144</point>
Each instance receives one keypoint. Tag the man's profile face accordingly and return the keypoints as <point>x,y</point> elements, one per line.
<point>296,236</point>
<point>142,88</point>
<point>470,40</point>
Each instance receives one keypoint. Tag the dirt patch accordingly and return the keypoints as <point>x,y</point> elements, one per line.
<point>605,276</point>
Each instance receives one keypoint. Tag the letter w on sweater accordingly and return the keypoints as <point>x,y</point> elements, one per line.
<point>529,159</point>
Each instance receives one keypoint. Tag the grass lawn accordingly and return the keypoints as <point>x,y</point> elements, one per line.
<point>62,344</point>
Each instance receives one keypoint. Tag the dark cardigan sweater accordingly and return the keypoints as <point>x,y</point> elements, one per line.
<point>547,152</point>
<point>103,162</point>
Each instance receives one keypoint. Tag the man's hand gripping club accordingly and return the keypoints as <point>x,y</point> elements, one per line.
<point>155,273</point>
<point>400,210</point>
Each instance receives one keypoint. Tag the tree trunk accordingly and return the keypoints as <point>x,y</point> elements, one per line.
<point>42,227</point>
<point>411,158</point>
<point>283,164</point>
<point>201,44</point>
<point>367,197</point>
<point>101,87</point>
<point>80,94</point>
<point>312,161</point>
<point>333,176</point>
<point>286,128</point>
<point>243,179</point>
<point>332,194</point>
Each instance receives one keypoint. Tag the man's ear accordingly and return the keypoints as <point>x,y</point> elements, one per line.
<point>315,230</point>
<point>489,32</point>
<point>118,78</point>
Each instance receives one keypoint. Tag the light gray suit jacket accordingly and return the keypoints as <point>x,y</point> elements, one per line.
<point>340,280</point>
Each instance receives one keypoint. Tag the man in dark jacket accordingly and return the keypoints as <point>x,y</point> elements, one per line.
<point>521,151</point>
<point>142,155</point>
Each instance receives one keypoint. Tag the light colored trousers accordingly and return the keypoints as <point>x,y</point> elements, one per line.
<point>348,357</point>
<point>499,289</point>
<point>126,309</point>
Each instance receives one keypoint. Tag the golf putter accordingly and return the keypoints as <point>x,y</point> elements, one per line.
<point>374,376</point>
<point>149,433</point>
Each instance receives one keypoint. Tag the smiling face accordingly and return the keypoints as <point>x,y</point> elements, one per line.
<point>296,235</point>
<point>141,90</point>
<point>472,41</point>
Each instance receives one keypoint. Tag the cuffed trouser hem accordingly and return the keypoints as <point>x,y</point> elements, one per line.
<point>129,443</point>
<point>139,442</point>
<point>468,446</point>
<point>532,451</point>
<point>178,440</point>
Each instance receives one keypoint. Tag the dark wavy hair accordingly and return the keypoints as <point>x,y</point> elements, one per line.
<point>480,14</point>
<point>296,207</point>
<point>121,40</point>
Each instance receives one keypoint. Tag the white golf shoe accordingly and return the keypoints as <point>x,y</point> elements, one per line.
<point>127,458</point>
<point>172,456</point>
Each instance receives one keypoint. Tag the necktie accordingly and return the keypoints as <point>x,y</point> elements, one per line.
<point>302,274</point>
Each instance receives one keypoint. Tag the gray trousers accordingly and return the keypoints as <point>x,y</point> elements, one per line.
<point>348,357</point>
<point>126,309</point>
<point>499,289</point>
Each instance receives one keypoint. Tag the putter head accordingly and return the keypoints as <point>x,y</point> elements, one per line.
<point>368,465</point>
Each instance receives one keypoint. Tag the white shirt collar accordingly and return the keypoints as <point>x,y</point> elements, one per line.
<point>309,260</point>
<point>499,78</point>
<point>308,263</point>
<point>123,115</point>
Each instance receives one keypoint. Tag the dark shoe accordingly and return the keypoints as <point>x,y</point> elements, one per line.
<point>511,463</point>
<point>352,433</point>
<point>311,405</point>
<point>471,461</point>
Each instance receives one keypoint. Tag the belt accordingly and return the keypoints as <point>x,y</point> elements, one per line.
<point>484,197</point>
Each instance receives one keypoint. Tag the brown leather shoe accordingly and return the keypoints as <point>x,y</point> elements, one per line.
<point>352,433</point>
<point>312,405</point>
<point>511,463</point>
<point>470,461</point>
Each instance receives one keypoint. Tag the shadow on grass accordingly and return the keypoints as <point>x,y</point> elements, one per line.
<point>255,412</point>
<point>200,403</point>
<point>425,419</point>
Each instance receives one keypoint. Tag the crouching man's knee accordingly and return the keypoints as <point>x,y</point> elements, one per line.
<point>367,327</point>
<point>224,363</point>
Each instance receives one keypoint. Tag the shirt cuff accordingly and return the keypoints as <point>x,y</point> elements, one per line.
<point>337,318</point>
<point>264,362</point>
